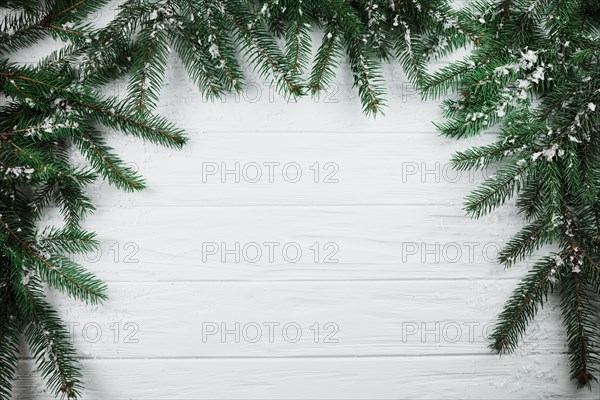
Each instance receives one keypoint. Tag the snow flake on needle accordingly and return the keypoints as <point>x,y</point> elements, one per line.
<point>17,172</point>
<point>528,59</point>
<point>548,153</point>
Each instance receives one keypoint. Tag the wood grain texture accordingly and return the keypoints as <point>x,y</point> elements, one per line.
<point>304,167</point>
<point>300,319</point>
<point>452,377</point>
<point>370,243</point>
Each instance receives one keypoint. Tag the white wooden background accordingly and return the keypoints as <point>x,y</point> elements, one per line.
<point>413,293</point>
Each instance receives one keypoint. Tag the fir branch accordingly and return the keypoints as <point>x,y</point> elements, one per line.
<point>326,59</point>
<point>49,341</point>
<point>523,305</point>
<point>364,66</point>
<point>263,49</point>
<point>149,62</point>
<point>153,128</point>
<point>112,168</point>
<point>198,61</point>
<point>298,36</point>
<point>582,329</point>
<point>548,153</point>
<point>9,333</point>
<point>224,52</point>
<point>496,190</point>
<point>62,273</point>
<point>529,239</point>
<point>43,166</point>
<point>66,240</point>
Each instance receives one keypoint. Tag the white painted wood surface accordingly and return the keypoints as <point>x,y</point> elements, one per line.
<point>404,287</point>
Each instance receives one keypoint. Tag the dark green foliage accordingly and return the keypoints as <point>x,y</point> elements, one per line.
<point>522,307</point>
<point>534,73</point>
<point>213,37</point>
<point>50,109</point>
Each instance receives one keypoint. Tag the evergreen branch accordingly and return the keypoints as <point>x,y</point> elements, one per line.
<point>413,65</point>
<point>447,78</point>
<point>536,77</point>
<point>62,273</point>
<point>530,238</point>
<point>524,76</point>
<point>69,9</point>
<point>325,61</point>
<point>225,54</point>
<point>263,48</point>
<point>523,305</point>
<point>153,128</point>
<point>110,166</point>
<point>66,30</point>
<point>496,190</point>
<point>30,27</point>
<point>49,341</point>
<point>582,330</point>
<point>298,37</point>
<point>197,63</point>
<point>149,63</point>
<point>483,156</point>
<point>364,66</point>
<point>66,240</point>
<point>9,335</point>
<point>45,167</point>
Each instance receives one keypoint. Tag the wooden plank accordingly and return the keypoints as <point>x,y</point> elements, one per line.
<point>299,319</point>
<point>299,168</point>
<point>261,243</point>
<point>456,377</point>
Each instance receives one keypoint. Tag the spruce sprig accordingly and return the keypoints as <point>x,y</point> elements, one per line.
<point>50,109</point>
<point>534,73</point>
<point>213,38</point>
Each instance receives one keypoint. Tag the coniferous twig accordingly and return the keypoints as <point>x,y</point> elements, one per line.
<point>51,106</point>
<point>535,72</point>
<point>212,38</point>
